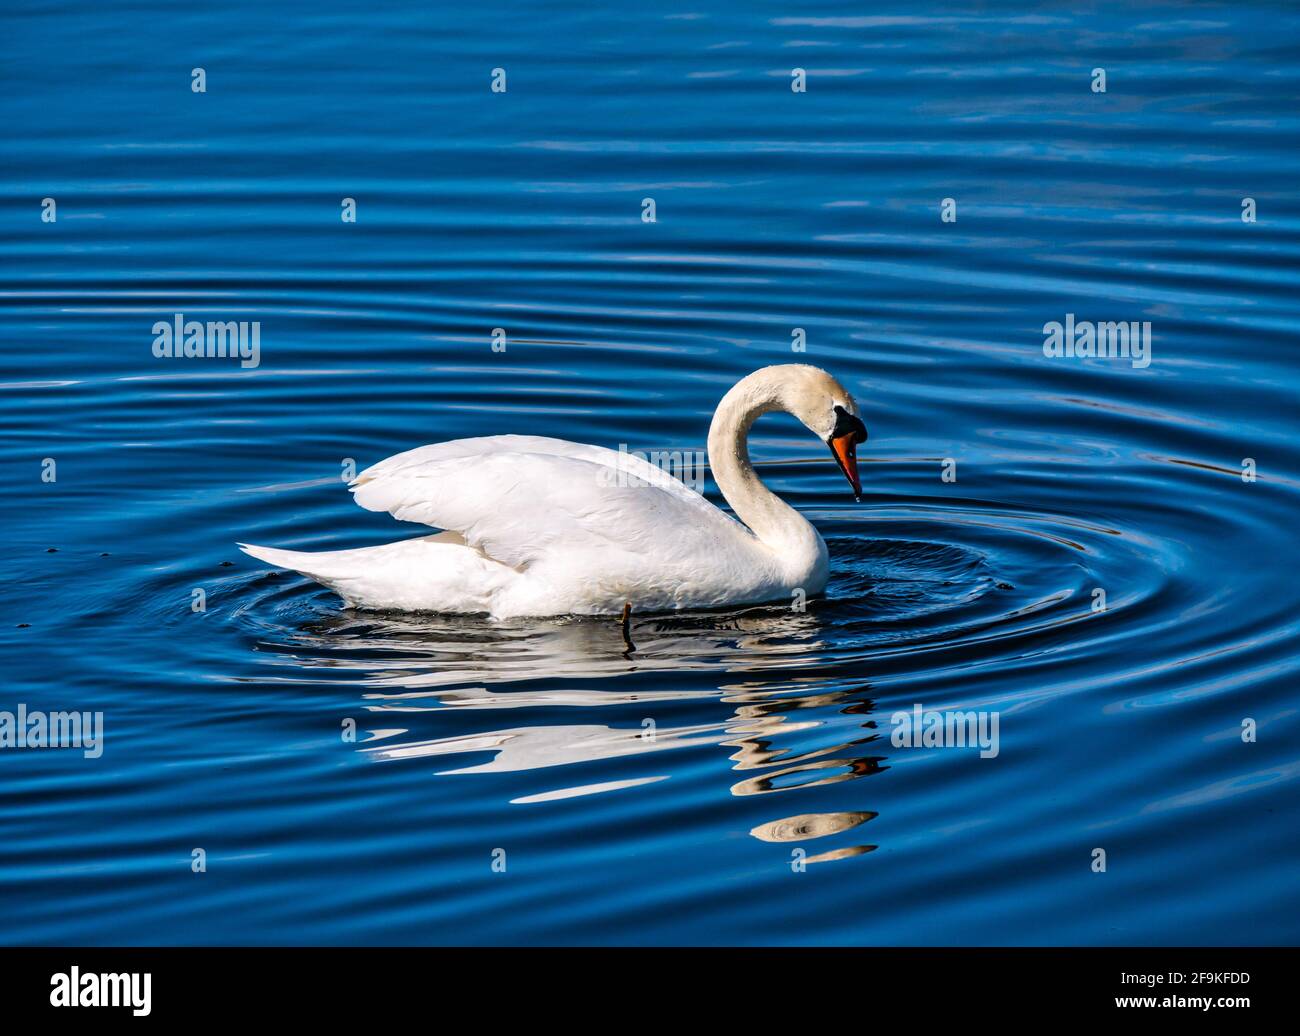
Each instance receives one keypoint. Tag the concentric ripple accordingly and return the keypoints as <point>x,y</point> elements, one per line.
<point>1097,556</point>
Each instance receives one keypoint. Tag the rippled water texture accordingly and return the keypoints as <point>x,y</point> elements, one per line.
<point>725,777</point>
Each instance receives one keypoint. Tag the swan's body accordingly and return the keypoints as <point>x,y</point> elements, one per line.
<point>539,526</point>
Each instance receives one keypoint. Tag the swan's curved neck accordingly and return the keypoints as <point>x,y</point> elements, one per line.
<point>770,518</point>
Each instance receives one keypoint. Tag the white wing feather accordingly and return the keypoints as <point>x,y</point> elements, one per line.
<point>538,526</point>
<point>520,499</point>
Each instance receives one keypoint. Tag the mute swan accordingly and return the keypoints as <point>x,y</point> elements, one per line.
<point>539,526</point>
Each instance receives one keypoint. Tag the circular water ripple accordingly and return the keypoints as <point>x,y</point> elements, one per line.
<point>632,785</point>
<point>921,582</point>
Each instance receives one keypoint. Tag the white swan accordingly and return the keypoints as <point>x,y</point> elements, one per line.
<point>539,526</point>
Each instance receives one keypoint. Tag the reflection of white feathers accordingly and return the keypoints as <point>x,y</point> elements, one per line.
<point>538,526</point>
<point>530,748</point>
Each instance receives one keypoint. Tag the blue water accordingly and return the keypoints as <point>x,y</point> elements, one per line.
<point>1120,729</point>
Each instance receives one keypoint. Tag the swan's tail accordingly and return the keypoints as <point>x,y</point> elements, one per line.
<point>428,573</point>
<point>331,568</point>
<point>296,560</point>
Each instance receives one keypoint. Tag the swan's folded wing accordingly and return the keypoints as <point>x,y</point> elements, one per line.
<point>517,506</point>
<point>632,465</point>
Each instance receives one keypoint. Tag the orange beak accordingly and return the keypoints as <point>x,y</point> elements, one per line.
<point>845,450</point>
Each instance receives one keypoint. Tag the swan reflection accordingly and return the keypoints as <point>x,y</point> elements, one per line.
<point>428,651</point>
<point>809,825</point>
<point>789,721</point>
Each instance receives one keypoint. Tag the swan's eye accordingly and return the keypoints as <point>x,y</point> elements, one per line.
<point>847,424</point>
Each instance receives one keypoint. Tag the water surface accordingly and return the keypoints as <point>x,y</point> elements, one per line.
<point>770,805</point>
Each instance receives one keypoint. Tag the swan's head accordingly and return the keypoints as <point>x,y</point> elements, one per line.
<point>829,411</point>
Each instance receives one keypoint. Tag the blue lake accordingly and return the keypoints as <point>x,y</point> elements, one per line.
<point>1100,551</point>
